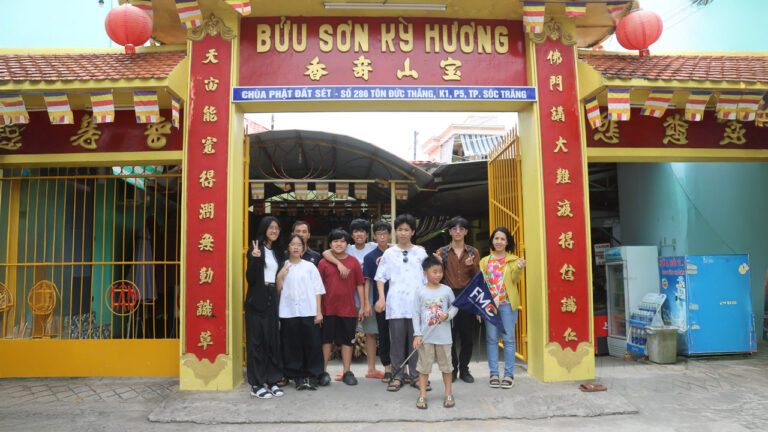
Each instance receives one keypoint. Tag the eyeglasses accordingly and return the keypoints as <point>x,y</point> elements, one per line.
<point>405,256</point>
<point>277,229</point>
<point>458,229</point>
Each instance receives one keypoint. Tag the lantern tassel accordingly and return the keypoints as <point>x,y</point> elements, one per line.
<point>130,49</point>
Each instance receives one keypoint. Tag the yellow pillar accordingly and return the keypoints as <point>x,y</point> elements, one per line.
<point>226,372</point>
<point>547,360</point>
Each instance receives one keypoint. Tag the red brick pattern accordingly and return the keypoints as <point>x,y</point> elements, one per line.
<point>105,66</point>
<point>680,67</point>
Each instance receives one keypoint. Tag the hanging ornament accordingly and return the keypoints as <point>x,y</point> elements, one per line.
<point>638,30</point>
<point>129,26</point>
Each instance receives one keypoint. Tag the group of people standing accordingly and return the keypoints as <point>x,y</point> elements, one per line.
<point>299,302</point>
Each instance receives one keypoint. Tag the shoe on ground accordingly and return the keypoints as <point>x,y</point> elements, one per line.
<point>311,384</point>
<point>260,392</point>
<point>324,379</point>
<point>466,377</point>
<point>349,378</point>
<point>508,382</point>
<point>276,390</point>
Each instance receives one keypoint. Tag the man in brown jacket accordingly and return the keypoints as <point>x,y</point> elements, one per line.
<point>460,262</point>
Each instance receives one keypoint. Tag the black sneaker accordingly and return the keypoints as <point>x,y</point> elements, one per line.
<point>310,384</point>
<point>324,379</point>
<point>349,378</point>
<point>467,377</point>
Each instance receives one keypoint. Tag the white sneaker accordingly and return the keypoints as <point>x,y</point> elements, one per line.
<point>277,391</point>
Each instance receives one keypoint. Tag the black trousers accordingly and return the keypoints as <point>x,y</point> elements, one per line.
<point>262,346</point>
<point>383,338</point>
<point>464,327</point>
<point>302,347</point>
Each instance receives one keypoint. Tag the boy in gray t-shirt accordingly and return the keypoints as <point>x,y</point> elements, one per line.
<point>432,312</point>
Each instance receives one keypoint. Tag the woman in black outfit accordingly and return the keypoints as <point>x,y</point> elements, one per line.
<point>265,258</point>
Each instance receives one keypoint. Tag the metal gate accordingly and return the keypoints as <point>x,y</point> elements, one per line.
<point>505,207</point>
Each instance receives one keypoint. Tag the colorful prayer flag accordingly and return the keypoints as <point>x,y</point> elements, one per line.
<point>615,9</point>
<point>12,109</point>
<point>321,191</point>
<point>401,191</point>
<point>241,6</point>
<point>175,109</point>
<point>697,103</point>
<point>748,105</point>
<point>146,107</point>
<point>533,16</point>
<point>618,104</point>
<point>103,107</point>
<point>301,190</point>
<point>361,191</point>
<point>257,191</point>
<point>145,5</point>
<point>657,103</point>
<point>189,13</point>
<point>593,111</point>
<point>342,191</point>
<point>59,111</point>
<point>728,105</point>
<point>576,9</point>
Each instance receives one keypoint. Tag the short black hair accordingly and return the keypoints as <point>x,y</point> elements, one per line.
<point>460,221</point>
<point>299,223</point>
<point>405,218</point>
<point>293,236</point>
<point>359,224</point>
<point>510,241</point>
<point>382,226</point>
<point>430,262</point>
<point>338,234</point>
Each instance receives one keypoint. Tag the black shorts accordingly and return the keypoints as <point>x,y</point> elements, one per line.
<point>340,330</point>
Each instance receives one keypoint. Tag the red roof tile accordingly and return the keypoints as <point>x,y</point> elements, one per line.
<point>680,67</point>
<point>104,66</point>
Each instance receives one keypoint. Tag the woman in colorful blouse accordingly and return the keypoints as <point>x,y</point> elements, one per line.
<point>502,271</point>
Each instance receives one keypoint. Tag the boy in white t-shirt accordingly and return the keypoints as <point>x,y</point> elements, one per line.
<point>401,267</point>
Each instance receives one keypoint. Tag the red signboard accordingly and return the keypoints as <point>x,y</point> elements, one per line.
<point>564,212</point>
<point>39,136</point>
<point>277,51</point>
<point>206,202</point>
<point>672,131</point>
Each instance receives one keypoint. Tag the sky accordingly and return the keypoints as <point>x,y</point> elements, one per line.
<point>724,25</point>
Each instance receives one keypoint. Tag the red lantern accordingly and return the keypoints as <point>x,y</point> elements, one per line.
<point>128,25</point>
<point>638,30</point>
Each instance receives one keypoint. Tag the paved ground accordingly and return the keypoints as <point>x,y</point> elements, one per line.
<point>712,394</point>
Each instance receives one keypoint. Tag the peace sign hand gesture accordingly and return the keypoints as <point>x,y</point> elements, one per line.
<point>255,252</point>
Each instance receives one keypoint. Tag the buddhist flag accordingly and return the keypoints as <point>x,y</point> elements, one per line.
<point>300,190</point>
<point>59,111</point>
<point>615,9</point>
<point>697,103</point>
<point>401,191</point>
<point>242,7</point>
<point>146,107</point>
<point>728,105</point>
<point>618,104</point>
<point>175,109</point>
<point>748,105</point>
<point>533,16</point>
<point>103,106</point>
<point>189,13</point>
<point>12,109</point>
<point>145,5</point>
<point>576,9</point>
<point>257,191</point>
<point>321,191</point>
<point>593,111</point>
<point>361,191</point>
<point>657,103</point>
<point>342,191</point>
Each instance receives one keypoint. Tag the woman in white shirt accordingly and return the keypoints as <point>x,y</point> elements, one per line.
<point>300,288</point>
